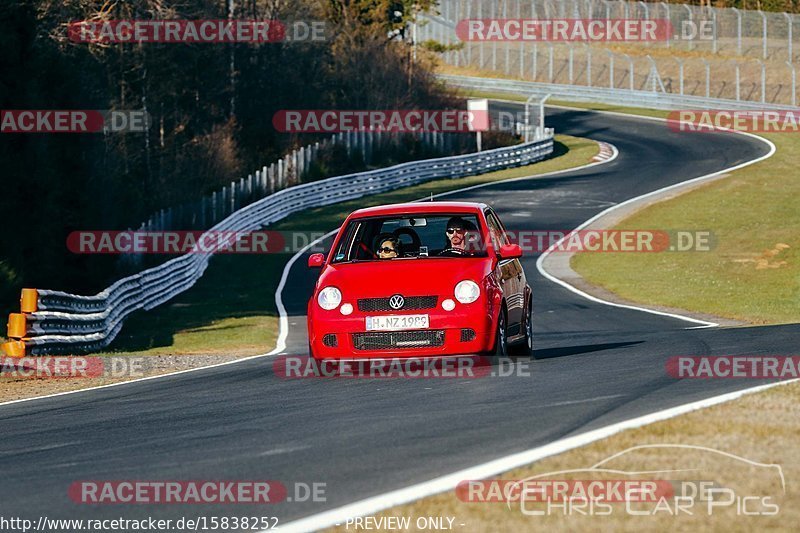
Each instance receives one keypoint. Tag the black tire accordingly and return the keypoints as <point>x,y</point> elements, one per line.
<point>525,348</point>
<point>500,340</point>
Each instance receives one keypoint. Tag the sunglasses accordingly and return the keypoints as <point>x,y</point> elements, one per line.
<point>386,250</point>
<point>460,231</point>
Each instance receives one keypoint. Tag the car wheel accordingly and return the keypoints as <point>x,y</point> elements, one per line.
<point>525,349</point>
<point>500,339</point>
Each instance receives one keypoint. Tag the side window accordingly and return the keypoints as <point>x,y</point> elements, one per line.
<point>496,230</point>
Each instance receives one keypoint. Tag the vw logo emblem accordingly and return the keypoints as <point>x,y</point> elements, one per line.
<point>396,302</point>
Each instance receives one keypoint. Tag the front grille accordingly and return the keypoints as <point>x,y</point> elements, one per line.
<point>467,335</point>
<point>411,302</point>
<point>329,340</point>
<point>385,340</point>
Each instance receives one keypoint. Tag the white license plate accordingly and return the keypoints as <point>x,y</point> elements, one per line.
<point>397,322</point>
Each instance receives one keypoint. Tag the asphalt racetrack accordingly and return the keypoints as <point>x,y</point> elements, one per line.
<point>594,365</point>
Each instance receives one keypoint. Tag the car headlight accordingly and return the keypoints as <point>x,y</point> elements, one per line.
<point>329,298</point>
<point>467,291</point>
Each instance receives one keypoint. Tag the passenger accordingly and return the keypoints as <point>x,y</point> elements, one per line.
<point>389,248</point>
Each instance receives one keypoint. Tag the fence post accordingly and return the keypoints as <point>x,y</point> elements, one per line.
<point>738,31</point>
<point>280,173</point>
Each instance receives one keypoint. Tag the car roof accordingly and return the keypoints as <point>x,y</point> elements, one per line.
<point>419,207</point>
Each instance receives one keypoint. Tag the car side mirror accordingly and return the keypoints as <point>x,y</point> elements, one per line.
<point>316,260</point>
<point>509,251</point>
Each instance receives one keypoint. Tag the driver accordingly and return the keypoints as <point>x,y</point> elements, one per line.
<point>456,234</point>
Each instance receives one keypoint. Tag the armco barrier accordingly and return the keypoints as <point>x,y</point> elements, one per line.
<point>59,322</point>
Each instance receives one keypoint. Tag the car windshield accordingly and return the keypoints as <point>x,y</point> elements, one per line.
<point>410,236</point>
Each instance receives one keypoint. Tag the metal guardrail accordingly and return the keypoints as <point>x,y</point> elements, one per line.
<point>58,322</point>
<point>622,97</point>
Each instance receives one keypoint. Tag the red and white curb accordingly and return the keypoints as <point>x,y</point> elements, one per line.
<point>606,152</point>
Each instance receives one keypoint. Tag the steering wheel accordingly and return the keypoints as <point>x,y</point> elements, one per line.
<point>416,242</point>
<point>453,252</point>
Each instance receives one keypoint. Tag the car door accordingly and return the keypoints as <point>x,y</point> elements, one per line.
<point>510,274</point>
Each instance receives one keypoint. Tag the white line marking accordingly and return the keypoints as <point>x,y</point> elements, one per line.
<point>571,402</point>
<point>568,286</point>
<point>375,504</point>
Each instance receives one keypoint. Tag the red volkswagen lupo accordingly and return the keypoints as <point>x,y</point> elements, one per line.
<point>418,280</point>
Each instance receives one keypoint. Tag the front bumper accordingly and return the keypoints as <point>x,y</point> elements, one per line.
<point>449,334</point>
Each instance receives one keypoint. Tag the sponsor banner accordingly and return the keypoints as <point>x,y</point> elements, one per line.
<point>73,121</point>
<point>699,121</point>
<point>569,30</point>
<point>734,367</point>
<point>391,120</point>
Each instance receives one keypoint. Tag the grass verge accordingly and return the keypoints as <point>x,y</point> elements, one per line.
<point>752,274</point>
<point>728,427</point>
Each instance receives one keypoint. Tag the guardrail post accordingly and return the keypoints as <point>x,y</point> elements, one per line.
<point>214,208</point>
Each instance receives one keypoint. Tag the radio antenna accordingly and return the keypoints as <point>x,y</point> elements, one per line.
<point>431,196</point>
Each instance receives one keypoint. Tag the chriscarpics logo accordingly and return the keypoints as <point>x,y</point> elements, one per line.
<point>668,480</point>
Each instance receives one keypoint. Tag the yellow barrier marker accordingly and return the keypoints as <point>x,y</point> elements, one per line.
<point>28,301</point>
<point>13,348</point>
<point>17,327</point>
